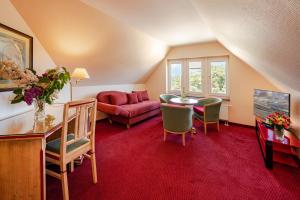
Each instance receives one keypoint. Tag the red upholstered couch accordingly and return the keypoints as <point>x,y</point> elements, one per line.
<point>127,108</point>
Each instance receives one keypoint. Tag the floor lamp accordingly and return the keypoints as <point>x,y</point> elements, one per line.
<point>78,74</point>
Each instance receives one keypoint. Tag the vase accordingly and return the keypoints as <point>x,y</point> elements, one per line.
<point>279,133</point>
<point>39,110</point>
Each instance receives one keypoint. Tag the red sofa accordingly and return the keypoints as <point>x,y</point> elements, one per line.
<point>127,108</point>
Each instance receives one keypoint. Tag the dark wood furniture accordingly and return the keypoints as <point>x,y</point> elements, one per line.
<point>276,150</point>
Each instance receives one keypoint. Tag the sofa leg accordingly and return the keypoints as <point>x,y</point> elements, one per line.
<point>128,126</point>
<point>110,121</point>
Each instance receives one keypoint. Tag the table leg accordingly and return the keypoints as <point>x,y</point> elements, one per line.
<point>269,155</point>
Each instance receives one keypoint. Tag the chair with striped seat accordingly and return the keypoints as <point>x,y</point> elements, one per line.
<point>68,147</point>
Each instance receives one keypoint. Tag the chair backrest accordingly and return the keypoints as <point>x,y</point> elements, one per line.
<point>83,116</point>
<point>177,118</point>
<point>165,98</point>
<point>212,108</point>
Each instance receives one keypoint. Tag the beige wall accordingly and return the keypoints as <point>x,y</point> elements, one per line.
<point>76,34</point>
<point>242,79</point>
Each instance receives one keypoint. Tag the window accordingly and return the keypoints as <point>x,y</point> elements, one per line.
<point>199,77</point>
<point>195,80</point>
<point>218,77</point>
<point>175,75</point>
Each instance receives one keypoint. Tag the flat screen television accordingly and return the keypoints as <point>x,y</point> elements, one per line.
<point>267,102</point>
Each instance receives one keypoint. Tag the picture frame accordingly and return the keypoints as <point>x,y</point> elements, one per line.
<point>15,47</point>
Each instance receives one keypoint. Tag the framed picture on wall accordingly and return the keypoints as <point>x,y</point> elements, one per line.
<point>16,54</point>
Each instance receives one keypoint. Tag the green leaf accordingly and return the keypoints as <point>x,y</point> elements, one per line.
<point>17,99</point>
<point>18,91</point>
<point>61,76</point>
<point>44,80</point>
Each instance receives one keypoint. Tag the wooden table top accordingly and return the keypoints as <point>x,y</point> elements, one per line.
<point>23,125</point>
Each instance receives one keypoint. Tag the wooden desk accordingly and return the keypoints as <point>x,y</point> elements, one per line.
<point>22,148</point>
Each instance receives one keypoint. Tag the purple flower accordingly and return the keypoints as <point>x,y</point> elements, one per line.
<point>32,93</point>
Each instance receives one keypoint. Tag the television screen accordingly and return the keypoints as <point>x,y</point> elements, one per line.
<point>267,102</point>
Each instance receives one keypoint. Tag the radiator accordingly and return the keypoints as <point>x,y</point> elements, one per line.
<point>224,111</point>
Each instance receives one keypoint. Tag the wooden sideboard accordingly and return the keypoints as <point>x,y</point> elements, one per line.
<point>22,148</point>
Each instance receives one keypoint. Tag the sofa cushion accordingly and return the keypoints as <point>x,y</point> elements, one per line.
<point>104,96</point>
<point>139,95</point>
<point>132,98</point>
<point>140,108</point>
<point>199,110</point>
<point>118,98</point>
<point>143,95</point>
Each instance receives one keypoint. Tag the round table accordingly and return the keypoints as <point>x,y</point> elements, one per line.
<point>183,101</point>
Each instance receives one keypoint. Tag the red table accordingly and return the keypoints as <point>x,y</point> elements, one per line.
<point>273,149</point>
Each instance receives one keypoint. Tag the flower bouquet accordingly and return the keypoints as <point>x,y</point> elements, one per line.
<point>38,89</point>
<point>279,121</point>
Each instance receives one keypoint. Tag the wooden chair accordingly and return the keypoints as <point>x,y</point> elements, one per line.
<point>177,120</point>
<point>208,111</point>
<point>70,146</point>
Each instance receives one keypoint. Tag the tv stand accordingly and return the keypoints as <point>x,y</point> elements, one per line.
<point>274,150</point>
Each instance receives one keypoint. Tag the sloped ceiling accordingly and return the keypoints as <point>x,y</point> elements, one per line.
<point>175,22</point>
<point>77,35</point>
<point>263,33</point>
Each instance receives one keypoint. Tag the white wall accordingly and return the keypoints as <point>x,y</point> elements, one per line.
<point>41,60</point>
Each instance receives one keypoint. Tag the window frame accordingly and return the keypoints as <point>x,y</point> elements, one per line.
<point>206,76</point>
<point>187,80</point>
<point>170,62</point>
<point>209,86</point>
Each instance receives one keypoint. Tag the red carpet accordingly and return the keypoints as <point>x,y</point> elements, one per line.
<point>136,164</point>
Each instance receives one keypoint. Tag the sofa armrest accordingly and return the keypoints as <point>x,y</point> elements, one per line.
<point>109,109</point>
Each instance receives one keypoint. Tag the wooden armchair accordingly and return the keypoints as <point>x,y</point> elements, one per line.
<point>177,120</point>
<point>208,111</point>
<point>70,146</point>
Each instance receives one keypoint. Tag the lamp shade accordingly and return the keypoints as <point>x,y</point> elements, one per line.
<point>80,73</point>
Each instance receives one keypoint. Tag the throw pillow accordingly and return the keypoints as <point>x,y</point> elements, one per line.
<point>132,98</point>
<point>118,99</point>
<point>139,95</point>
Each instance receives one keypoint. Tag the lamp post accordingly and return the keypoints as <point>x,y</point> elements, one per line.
<point>78,74</point>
